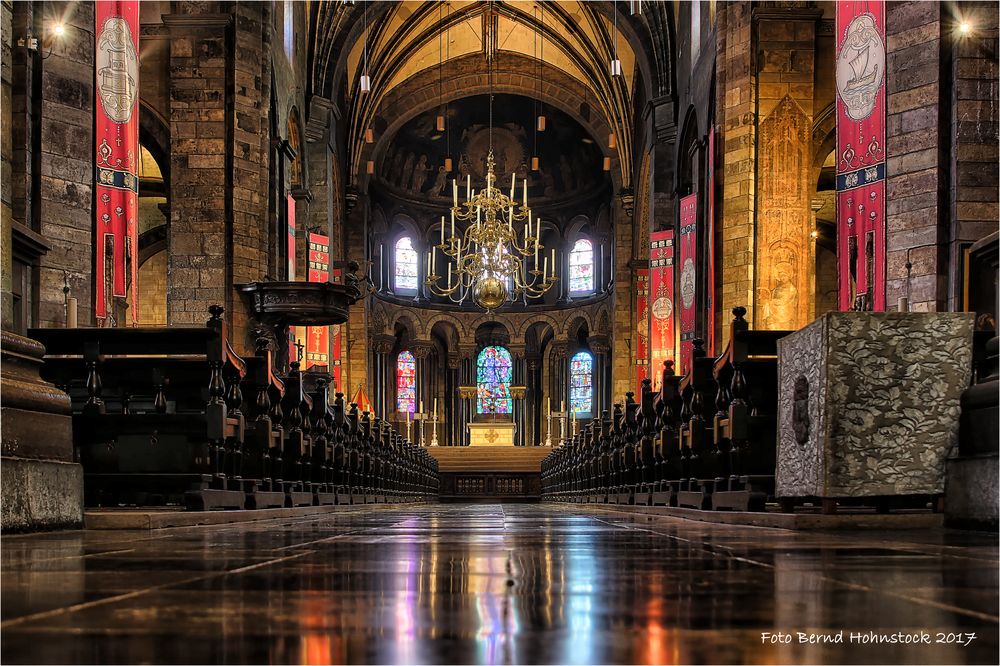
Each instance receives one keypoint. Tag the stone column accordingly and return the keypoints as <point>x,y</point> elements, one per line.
<point>622,320</point>
<point>534,399</point>
<point>452,403</point>
<point>197,259</point>
<point>64,156</point>
<point>303,200</point>
<point>736,136</point>
<point>601,347</point>
<point>356,327</point>
<point>381,351</point>
<point>786,38</point>
<point>421,352</point>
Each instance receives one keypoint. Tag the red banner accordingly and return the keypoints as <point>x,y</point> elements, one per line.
<point>116,139</point>
<point>710,236</point>
<point>642,319</point>
<point>688,252</point>
<point>318,337</point>
<point>661,295</point>
<point>861,230</point>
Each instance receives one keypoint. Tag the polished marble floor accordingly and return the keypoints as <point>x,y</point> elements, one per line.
<point>484,584</point>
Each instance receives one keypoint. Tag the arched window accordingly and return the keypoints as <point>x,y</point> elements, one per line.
<point>494,372</point>
<point>406,382</point>
<point>581,383</point>
<point>406,265</point>
<point>581,267</point>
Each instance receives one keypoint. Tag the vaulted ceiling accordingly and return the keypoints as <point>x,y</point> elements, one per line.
<point>566,42</point>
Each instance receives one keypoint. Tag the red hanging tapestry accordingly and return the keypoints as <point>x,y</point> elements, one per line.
<point>116,139</point>
<point>318,337</point>
<point>661,296</point>
<point>689,274</point>
<point>860,158</point>
<point>642,332</point>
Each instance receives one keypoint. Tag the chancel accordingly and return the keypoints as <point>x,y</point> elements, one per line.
<point>499,331</point>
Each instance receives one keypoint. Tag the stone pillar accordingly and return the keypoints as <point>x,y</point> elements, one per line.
<point>786,39</point>
<point>622,320</point>
<point>534,399</point>
<point>65,156</point>
<point>381,347</point>
<point>357,325</point>
<point>303,200</point>
<point>601,347</point>
<point>6,170</point>
<point>42,485</point>
<point>452,403</point>
<point>973,209</point>
<point>736,136</point>
<point>197,259</point>
<point>916,135</point>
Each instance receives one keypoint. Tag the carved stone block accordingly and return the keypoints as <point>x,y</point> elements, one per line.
<point>869,403</point>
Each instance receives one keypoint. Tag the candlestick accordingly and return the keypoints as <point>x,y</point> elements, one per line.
<point>468,186</point>
<point>435,407</point>
<point>453,220</point>
<point>442,230</point>
<point>454,194</point>
<point>512,181</point>
<point>71,313</point>
<point>525,192</point>
<point>545,269</point>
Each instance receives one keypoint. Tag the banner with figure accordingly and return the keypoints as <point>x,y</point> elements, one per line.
<point>661,297</point>
<point>689,277</point>
<point>318,337</point>
<point>860,158</point>
<point>116,140</point>
<point>642,332</point>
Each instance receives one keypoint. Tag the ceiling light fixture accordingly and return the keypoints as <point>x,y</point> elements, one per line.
<point>366,82</point>
<point>616,64</point>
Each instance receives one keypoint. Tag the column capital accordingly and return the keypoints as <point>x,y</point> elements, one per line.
<point>420,349</point>
<point>380,343</point>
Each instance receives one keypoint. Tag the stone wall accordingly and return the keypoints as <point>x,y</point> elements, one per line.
<point>736,149</point>
<point>67,172</point>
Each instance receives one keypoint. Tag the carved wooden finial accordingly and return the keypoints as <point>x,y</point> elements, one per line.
<point>216,311</point>
<point>739,312</point>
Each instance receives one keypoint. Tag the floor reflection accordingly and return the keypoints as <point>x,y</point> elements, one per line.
<point>490,584</point>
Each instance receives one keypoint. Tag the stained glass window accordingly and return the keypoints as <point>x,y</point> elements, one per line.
<point>406,264</point>
<point>494,372</point>
<point>581,267</point>
<point>581,382</point>
<point>406,382</point>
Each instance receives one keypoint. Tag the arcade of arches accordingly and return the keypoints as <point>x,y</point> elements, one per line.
<point>736,317</point>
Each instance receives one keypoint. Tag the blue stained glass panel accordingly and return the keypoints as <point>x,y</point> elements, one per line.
<point>406,382</point>
<point>494,372</point>
<point>581,267</point>
<point>581,383</point>
<point>406,264</point>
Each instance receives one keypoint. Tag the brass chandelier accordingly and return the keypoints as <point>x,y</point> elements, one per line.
<point>487,262</point>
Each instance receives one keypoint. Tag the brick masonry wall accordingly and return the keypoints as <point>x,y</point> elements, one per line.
<point>197,245</point>
<point>67,172</point>
<point>975,174</point>
<point>736,136</point>
<point>153,291</point>
<point>916,149</point>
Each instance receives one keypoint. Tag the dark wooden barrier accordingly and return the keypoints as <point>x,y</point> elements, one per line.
<point>173,416</point>
<point>705,440</point>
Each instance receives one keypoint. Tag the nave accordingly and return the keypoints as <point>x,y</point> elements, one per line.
<point>492,583</point>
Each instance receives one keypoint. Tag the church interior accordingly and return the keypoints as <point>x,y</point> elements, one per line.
<point>499,331</point>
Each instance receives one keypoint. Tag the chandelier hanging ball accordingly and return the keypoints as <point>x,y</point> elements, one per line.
<point>490,293</point>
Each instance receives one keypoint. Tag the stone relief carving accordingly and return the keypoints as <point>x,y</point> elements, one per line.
<point>784,218</point>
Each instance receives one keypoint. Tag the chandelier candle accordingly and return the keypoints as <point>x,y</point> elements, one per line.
<point>494,268</point>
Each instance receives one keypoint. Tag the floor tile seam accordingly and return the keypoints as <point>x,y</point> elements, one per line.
<point>721,550</point>
<point>129,595</point>
<point>889,544</point>
<point>3,567</point>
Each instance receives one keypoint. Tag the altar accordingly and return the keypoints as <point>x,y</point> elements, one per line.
<point>491,434</point>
